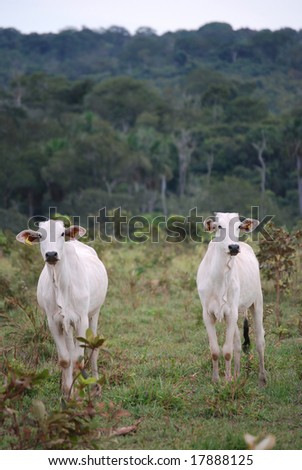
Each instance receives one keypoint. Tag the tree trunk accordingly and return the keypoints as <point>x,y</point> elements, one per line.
<point>262,173</point>
<point>210,162</point>
<point>183,167</point>
<point>261,148</point>
<point>110,185</point>
<point>163,188</point>
<point>151,201</point>
<point>18,95</point>
<point>299,171</point>
<point>185,149</point>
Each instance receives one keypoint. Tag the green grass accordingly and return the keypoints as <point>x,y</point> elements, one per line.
<point>159,366</point>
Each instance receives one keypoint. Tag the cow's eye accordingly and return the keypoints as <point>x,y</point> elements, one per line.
<point>219,226</point>
<point>62,234</point>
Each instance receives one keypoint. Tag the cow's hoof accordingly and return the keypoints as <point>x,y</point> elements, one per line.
<point>96,390</point>
<point>229,378</point>
<point>262,380</point>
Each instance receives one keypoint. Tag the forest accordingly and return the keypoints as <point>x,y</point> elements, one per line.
<point>149,126</point>
<point>210,118</point>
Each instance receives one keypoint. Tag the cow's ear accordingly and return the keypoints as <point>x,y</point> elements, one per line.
<point>248,225</point>
<point>29,237</point>
<point>73,232</point>
<point>210,225</point>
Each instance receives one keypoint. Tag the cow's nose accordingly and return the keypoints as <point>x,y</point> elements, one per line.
<point>234,250</point>
<point>51,257</point>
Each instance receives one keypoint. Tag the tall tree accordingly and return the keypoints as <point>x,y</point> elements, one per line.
<point>121,100</point>
<point>261,147</point>
<point>293,140</point>
<point>156,147</point>
<point>184,142</point>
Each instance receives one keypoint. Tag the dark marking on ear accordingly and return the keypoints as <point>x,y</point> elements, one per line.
<point>248,225</point>
<point>209,225</point>
<point>29,237</point>
<point>73,232</point>
<point>32,238</point>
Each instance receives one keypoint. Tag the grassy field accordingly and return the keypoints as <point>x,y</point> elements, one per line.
<point>158,372</point>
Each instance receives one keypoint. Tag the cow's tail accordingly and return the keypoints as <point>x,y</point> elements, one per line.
<point>246,344</point>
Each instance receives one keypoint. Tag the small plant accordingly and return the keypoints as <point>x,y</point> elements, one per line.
<point>14,387</point>
<point>63,429</point>
<point>277,260</point>
<point>81,421</point>
<point>90,343</point>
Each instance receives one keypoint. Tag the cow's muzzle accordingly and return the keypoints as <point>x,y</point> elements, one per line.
<point>234,250</point>
<point>51,257</point>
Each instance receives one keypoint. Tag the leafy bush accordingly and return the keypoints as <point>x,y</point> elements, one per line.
<point>277,260</point>
<point>79,423</point>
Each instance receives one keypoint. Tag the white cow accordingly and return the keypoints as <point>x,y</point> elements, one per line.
<point>71,289</point>
<point>228,282</point>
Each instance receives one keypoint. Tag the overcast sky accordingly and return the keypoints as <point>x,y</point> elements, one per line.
<point>162,15</point>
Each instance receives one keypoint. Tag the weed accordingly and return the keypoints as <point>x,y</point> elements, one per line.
<point>159,366</point>
<point>76,424</point>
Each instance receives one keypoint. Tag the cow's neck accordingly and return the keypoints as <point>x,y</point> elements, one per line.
<point>222,265</point>
<point>223,274</point>
<point>60,275</point>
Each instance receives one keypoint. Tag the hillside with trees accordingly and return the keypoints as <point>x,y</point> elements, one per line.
<point>156,124</point>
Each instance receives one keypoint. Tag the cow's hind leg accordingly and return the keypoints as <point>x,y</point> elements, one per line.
<point>237,352</point>
<point>209,322</point>
<point>260,342</point>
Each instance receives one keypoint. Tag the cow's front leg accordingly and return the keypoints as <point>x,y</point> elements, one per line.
<point>93,323</point>
<point>209,322</point>
<point>231,324</point>
<point>64,356</point>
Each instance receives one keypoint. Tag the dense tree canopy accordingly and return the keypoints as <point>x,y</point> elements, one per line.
<point>209,118</point>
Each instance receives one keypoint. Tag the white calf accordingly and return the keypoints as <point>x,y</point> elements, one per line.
<point>71,289</point>
<point>228,282</point>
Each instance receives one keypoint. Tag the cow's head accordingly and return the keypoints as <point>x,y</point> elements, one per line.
<point>227,227</point>
<point>51,237</point>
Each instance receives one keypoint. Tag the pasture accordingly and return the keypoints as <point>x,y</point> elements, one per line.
<point>156,366</point>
